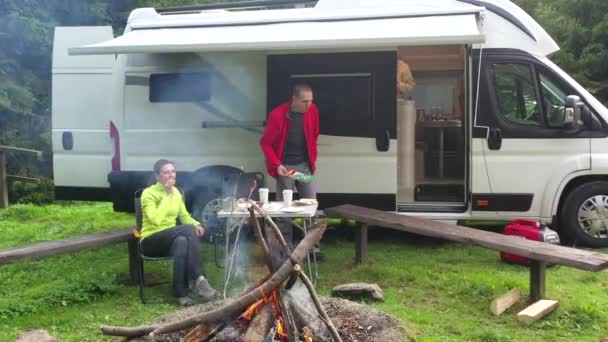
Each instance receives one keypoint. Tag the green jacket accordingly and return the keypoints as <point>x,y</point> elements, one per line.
<point>160,210</point>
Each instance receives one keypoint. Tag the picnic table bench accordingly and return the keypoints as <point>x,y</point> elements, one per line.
<point>539,253</point>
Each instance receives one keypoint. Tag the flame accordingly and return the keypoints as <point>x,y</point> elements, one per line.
<point>252,310</point>
<point>280,330</point>
<point>273,300</point>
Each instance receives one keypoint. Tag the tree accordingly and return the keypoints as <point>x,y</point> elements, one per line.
<point>580,28</point>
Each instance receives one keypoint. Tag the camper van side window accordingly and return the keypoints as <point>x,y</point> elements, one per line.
<point>180,87</point>
<point>515,94</point>
<point>554,100</point>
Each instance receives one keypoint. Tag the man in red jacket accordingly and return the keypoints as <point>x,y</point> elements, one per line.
<point>290,142</point>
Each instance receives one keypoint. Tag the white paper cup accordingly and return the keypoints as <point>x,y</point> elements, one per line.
<point>287,197</point>
<point>263,195</point>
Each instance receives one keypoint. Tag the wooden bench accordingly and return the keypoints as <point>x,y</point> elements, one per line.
<point>50,248</point>
<point>539,253</point>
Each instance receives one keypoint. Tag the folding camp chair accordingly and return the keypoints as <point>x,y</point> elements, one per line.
<point>141,257</point>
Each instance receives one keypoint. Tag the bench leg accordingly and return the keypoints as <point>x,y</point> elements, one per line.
<point>537,280</point>
<point>361,244</point>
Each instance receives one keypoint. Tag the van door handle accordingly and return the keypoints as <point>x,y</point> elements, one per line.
<point>383,141</point>
<point>495,139</point>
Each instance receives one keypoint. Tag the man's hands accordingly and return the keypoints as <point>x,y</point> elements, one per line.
<point>282,170</point>
<point>200,231</point>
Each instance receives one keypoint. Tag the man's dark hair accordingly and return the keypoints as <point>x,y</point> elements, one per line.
<point>299,87</point>
<point>159,165</point>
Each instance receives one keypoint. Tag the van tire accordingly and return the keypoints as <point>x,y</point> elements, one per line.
<point>569,214</point>
<point>206,186</point>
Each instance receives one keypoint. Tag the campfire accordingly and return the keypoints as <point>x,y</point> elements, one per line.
<point>283,306</point>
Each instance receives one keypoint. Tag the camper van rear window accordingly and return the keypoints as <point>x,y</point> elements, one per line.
<point>180,87</point>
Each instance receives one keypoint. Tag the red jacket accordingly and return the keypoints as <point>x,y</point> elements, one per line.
<point>275,135</point>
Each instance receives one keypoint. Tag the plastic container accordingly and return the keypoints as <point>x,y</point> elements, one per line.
<point>299,176</point>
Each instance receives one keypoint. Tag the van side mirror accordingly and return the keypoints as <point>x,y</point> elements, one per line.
<point>574,109</point>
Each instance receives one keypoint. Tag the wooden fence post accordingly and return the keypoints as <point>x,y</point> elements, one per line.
<point>3,184</point>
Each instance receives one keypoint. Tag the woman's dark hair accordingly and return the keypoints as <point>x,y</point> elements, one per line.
<point>159,165</point>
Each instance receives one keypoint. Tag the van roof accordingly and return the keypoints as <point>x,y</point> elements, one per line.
<point>331,24</point>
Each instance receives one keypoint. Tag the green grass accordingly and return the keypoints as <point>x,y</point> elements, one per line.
<point>441,291</point>
<point>26,223</point>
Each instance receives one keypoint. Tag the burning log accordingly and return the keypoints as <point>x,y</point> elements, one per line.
<point>203,332</point>
<point>311,289</point>
<point>260,325</point>
<point>288,319</point>
<point>231,308</point>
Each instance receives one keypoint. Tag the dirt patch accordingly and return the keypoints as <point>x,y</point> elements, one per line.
<point>355,322</point>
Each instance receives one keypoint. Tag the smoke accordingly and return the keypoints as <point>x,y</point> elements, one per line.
<point>245,266</point>
<point>192,89</point>
<point>305,312</point>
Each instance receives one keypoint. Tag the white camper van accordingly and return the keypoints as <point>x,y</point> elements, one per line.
<point>489,128</point>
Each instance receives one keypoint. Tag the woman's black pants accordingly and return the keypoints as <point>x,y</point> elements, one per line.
<point>180,242</point>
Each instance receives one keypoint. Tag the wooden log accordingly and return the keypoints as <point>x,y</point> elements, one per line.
<point>260,325</point>
<point>288,319</point>
<point>203,332</point>
<point>537,311</point>
<point>306,317</point>
<point>44,249</point>
<point>275,228</point>
<point>235,306</point>
<point>311,289</point>
<point>3,184</point>
<point>502,303</point>
<point>257,232</point>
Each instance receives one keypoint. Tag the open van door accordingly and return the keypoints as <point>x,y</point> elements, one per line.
<point>81,114</point>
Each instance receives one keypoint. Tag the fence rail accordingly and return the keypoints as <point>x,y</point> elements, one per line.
<point>4,175</point>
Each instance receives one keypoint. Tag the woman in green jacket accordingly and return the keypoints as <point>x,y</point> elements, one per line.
<point>162,204</point>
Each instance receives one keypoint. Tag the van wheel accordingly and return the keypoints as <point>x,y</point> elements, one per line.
<point>207,185</point>
<point>584,215</point>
